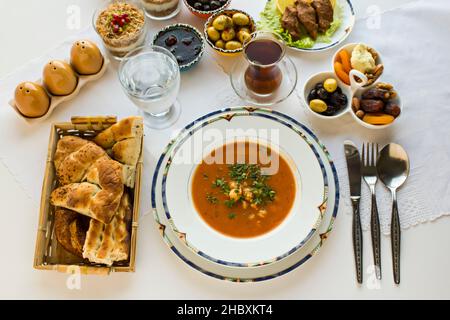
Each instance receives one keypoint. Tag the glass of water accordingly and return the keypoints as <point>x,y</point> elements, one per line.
<point>150,77</point>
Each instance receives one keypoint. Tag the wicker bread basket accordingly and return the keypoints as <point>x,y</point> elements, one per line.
<point>49,255</point>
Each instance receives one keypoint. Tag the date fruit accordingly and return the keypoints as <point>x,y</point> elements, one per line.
<point>376,93</point>
<point>372,105</point>
<point>392,108</point>
<point>377,105</point>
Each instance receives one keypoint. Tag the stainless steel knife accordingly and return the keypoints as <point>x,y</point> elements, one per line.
<point>354,175</point>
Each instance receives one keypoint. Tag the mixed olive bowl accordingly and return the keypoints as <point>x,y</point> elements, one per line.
<point>228,12</point>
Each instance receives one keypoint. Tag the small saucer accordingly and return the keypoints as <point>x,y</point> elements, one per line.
<point>288,84</point>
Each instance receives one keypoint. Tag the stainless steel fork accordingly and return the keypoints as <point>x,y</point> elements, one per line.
<point>369,173</point>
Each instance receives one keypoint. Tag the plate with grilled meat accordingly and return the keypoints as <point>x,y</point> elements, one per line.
<point>309,25</point>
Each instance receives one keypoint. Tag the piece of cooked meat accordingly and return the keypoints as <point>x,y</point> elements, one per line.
<point>324,12</point>
<point>290,22</point>
<point>307,16</point>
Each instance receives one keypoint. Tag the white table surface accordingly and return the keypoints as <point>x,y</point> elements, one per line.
<point>40,25</point>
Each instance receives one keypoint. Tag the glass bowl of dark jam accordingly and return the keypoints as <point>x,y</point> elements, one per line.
<point>184,41</point>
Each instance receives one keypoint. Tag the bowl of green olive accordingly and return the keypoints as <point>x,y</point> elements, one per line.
<point>226,31</point>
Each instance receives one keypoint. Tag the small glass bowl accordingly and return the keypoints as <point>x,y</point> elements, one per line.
<point>118,48</point>
<point>189,65</point>
<point>165,11</point>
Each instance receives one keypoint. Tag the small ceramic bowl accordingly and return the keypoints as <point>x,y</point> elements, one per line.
<point>355,74</point>
<point>189,65</point>
<point>228,12</point>
<point>205,14</point>
<point>358,94</point>
<point>321,77</point>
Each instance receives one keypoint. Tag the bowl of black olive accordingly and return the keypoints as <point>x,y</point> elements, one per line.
<point>326,96</point>
<point>206,8</point>
<point>184,41</point>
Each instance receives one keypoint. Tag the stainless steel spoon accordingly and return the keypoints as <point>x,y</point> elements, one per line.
<point>393,169</point>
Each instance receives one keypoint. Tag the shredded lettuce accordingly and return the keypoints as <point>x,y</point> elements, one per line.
<point>271,21</point>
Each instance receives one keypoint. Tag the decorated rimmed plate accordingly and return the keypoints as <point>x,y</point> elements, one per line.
<point>304,162</point>
<point>259,272</point>
<point>285,264</point>
<point>348,19</point>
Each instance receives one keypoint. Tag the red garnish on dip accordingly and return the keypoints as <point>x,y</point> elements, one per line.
<point>119,21</point>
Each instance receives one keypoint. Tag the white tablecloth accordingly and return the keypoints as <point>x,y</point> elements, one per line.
<point>413,42</point>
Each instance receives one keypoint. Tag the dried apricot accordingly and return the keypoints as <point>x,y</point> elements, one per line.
<point>378,118</point>
<point>345,60</point>
<point>339,69</point>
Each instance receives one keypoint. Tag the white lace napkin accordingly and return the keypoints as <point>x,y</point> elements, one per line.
<point>413,43</point>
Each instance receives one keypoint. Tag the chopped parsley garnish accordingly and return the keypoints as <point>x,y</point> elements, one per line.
<point>241,172</point>
<point>211,198</point>
<point>231,215</point>
<point>248,183</point>
<point>229,203</point>
<point>222,184</point>
<point>261,191</point>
